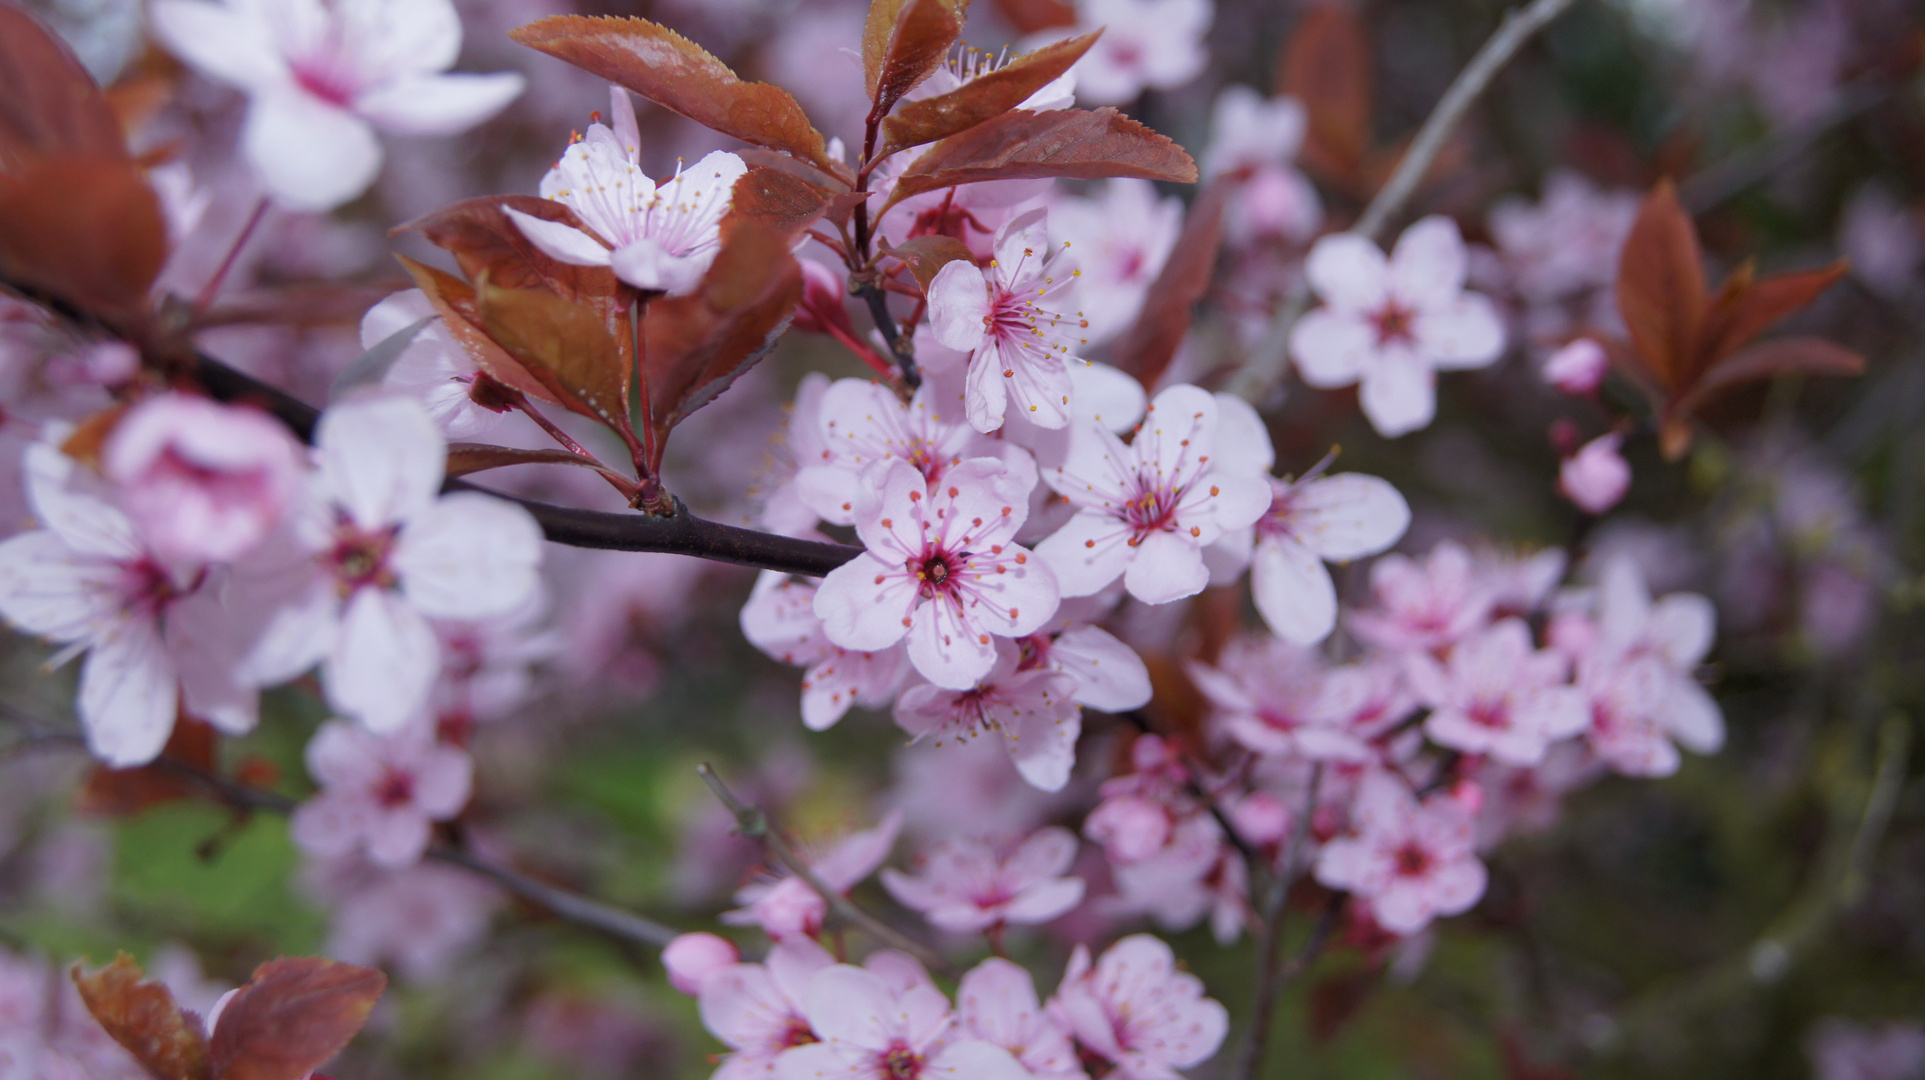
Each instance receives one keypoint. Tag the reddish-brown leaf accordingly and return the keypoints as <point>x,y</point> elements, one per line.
<point>681,76</point>
<point>1660,287</point>
<point>927,255</point>
<point>486,243</point>
<point>49,105</point>
<point>466,458</point>
<point>1026,145</point>
<point>142,1016</point>
<point>566,346</point>
<point>292,1017</point>
<point>454,300</point>
<point>88,230</point>
<point>1764,303</point>
<point>1146,351</point>
<point>1036,16</point>
<point>916,40</point>
<point>1326,65</point>
<point>982,98</point>
<point>1768,359</point>
<point>778,200</point>
<point>698,344</point>
<point>123,792</point>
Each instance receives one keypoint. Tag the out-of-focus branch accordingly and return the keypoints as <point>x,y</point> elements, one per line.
<point>245,798</point>
<point>1260,374</point>
<point>1194,784</point>
<point>1272,973</point>
<point>751,821</point>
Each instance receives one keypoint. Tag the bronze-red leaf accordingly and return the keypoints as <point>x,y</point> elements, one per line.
<point>291,1018</point>
<point>1150,345</point>
<point>681,76</point>
<point>1768,359</point>
<point>454,300</point>
<point>486,243</point>
<point>142,1016</point>
<point>86,229</point>
<point>914,42</point>
<point>927,255</point>
<point>1036,16</point>
<point>1661,289</point>
<point>566,345</point>
<point>1763,304</point>
<point>982,98</point>
<point>1026,145</point>
<point>778,200</point>
<point>49,105</point>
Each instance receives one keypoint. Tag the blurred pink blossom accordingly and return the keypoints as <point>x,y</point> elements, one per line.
<point>1410,862</point>
<point>968,884</point>
<point>380,794</point>
<point>1134,1009</point>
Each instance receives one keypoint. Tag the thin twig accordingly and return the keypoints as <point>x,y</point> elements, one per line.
<point>751,821</point>
<point>1265,365</point>
<point>1193,783</point>
<point>1272,973</point>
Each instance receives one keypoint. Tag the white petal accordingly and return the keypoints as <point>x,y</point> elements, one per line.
<point>560,241</point>
<point>384,662</point>
<point>958,304</point>
<point>1087,553</point>
<point>469,556</point>
<point>311,155</point>
<point>1293,591</point>
<point>1331,348</point>
<point>1166,568</point>
<point>1109,675</point>
<point>401,37</point>
<point>1241,442</point>
<point>438,104</point>
<point>1348,516</point>
<point>1427,268</point>
<point>1466,333</point>
<point>220,41</point>
<point>1399,397</point>
<point>381,459</point>
<point>48,589</point>
<point>1347,271</point>
<point>128,699</point>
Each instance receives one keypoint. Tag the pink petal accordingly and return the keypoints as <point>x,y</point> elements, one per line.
<point>1348,516</point>
<point>381,459</point>
<point>1427,267</point>
<point>1293,591</point>
<point>1468,333</point>
<point>312,155</point>
<point>858,611</point>
<point>1348,271</point>
<point>1109,675</point>
<point>947,648</point>
<point>1332,348</point>
<point>384,661</point>
<point>1165,568</point>
<point>1399,396</point>
<point>128,697</point>
<point>469,556</point>
<point>559,241</point>
<point>958,304</point>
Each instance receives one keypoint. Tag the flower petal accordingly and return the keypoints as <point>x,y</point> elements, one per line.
<point>469,556</point>
<point>560,241</point>
<point>384,661</point>
<point>438,104</point>
<point>311,155</point>
<point>1293,591</point>
<point>381,459</point>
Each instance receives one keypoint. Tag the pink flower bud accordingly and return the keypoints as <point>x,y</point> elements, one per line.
<point>1130,829</point>
<point>823,294</point>
<point>1577,368</point>
<point>692,958</point>
<point>204,482</point>
<point>1597,476</point>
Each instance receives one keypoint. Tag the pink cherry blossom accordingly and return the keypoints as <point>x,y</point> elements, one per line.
<point>968,884</point>
<point>787,906</point>
<point>433,369</point>
<point>657,238</point>
<point>1265,694</point>
<point>1638,675</point>
<point>1248,131</point>
<point>1498,695</point>
<point>874,1027</point>
<point>996,1002</point>
<point>781,621</point>
<point>1118,265</point>
<point>1311,521</point>
<point>756,1009</point>
<point>418,920</point>
<point>1566,243</point>
<point>46,1031</point>
<point>1578,368</point>
<point>1392,324</point>
<point>1195,875</point>
<point>203,482</point>
<point>1019,349</point>
<point>1137,1011</point>
<point>1597,476</point>
<point>1034,711</point>
<point>1108,674</point>
<point>320,78</point>
<point>378,554</point>
<point>691,958</point>
<point>379,793</point>
<point>940,569</point>
<point>863,423</point>
<point>1424,605</point>
<point>1409,863</point>
<point>1131,828</point>
<point>156,636</point>
<point>1146,44</point>
<point>1147,510</point>
<point>798,445</point>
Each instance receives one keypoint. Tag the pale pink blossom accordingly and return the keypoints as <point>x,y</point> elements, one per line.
<point>657,238</point>
<point>1019,350</point>
<point>1884,239</point>
<point>887,1025</point>
<point>787,906</point>
<point>418,920</point>
<point>1146,44</point>
<point>1274,201</point>
<point>1577,368</point>
<point>1408,862</point>
<point>1131,828</point>
<point>863,423</point>
<point>1497,695</point>
<point>1118,264</point>
<point>1597,476</point>
<point>1195,875</point>
<point>380,794</point>
<point>156,637</point>
<point>47,1032</point>
<point>996,1002</point>
<point>1424,605</point>
<point>691,958</point>
<point>320,79</point>
<point>1248,131</point>
<point>1108,674</point>
<point>1034,711</point>
<point>798,445</point>
<point>940,568</point>
<point>203,482</point>
<point>433,369</point>
<point>1392,324</point>
<point>1146,510</point>
<point>969,884</point>
<point>1134,1009</point>
<point>1567,242</point>
<point>781,621</point>
<point>379,554</point>
<point>1520,799</point>
<point>756,1009</point>
<point>1638,674</point>
<point>1264,693</point>
<point>487,665</point>
<point>1311,521</point>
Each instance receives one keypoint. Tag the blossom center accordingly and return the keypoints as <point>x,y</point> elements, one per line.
<point>396,789</point>
<point>1489,714</point>
<point>1151,510</point>
<point>359,559</point>
<point>937,570</point>
<point>1394,323</point>
<point>901,1063</point>
<point>326,77</point>
<point>1412,860</point>
<point>149,588</point>
<point>797,1033</point>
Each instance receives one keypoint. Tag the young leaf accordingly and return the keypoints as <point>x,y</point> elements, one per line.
<point>1764,303</point>
<point>1769,359</point>
<point>467,458</point>
<point>454,300</point>
<point>88,230</point>
<point>918,39</point>
<point>564,345</point>
<point>142,1016</point>
<point>982,98</point>
<point>927,255</point>
<point>1326,65</point>
<point>696,345</point>
<point>49,105</point>
<point>486,243</point>
<point>1152,343</point>
<point>1660,287</point>
<point>778,200</point>
<point>1036,16</point>
<point>291,1018</point>
<point>1025,145</point>
<point>683,77</point>
<point>124,792</point>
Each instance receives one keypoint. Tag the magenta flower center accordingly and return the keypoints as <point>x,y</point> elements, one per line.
<point>798,1033</point>
<point>1150,509</point>
<point>1394,323</point>
<point>1412,860</point>
<point>359,559</point>
<point>1490,714</point>
<point>395,790</point>
<point>901,1063</point>
<point>149,589</point>
<point>937,571</point>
